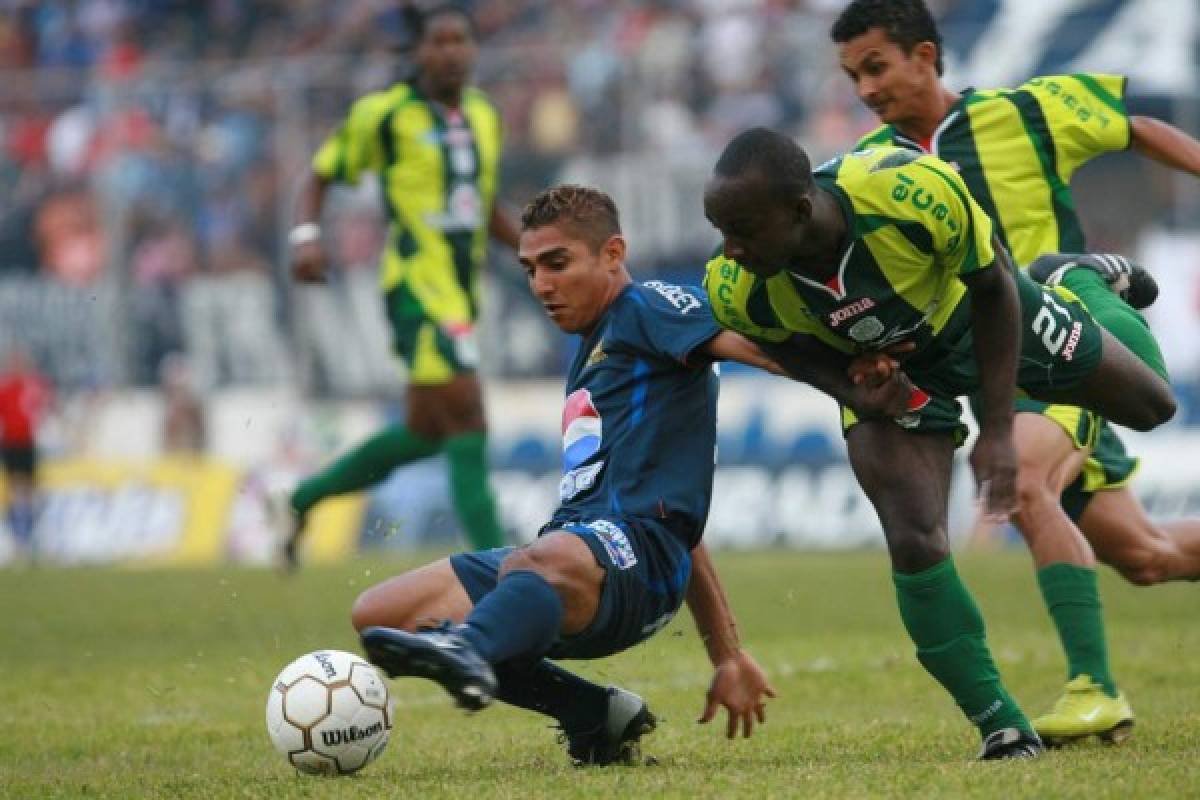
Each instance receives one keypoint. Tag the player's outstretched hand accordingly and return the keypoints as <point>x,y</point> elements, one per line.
<point>994,461</point>
<point>739,685</point>
<point>308,262</point>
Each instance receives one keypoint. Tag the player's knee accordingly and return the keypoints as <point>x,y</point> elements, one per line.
<point>557,562</point>
<point>1141,566</point>
<point>380,606</point>
<point>916,551</point>
<point>365,611</point>
<point>1157,405</point>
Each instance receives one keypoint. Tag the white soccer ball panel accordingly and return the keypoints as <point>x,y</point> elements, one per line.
<point>333,665</point>
<point>313,763</point>
<point>344,704</point>
<point>284,735</point>
<point>369,685</point>
<point>353,758</point>
<point>306,702</point>
<point>274,710</point>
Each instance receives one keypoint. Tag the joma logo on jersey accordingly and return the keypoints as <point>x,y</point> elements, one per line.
<point>840,315</point>
<point>923,200</point>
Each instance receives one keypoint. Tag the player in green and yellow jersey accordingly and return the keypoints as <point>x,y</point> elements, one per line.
<point>434,143</point>
<point>885,248</point>
<point>1016,150</point>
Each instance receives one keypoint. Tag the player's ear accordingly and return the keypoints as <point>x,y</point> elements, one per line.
<point>613,251</point>
<point>925,54</point>
<point>804,208</point>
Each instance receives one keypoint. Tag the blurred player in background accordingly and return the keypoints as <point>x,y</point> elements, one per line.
<point>1016,150</point>
<point>435,144</point>
<point>886,247</point>
<point>25,396</point>
<point>623,550</point>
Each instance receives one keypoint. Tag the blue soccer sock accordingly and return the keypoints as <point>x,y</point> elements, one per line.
<point>547,688</point>
<point>519,619</point>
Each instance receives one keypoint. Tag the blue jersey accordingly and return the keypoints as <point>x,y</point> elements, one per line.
<point>640,420</point>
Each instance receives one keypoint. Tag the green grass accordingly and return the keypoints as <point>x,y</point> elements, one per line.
<point>152,684</point>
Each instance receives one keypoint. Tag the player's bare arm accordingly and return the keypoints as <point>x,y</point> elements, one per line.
<point>808,360</point>
<point>738,683</point>
<point>995,315</point>
<point>308,257</point>
<point>502,226</point>
<point>1166,144</point>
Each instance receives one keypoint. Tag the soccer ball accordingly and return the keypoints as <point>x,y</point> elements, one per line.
<point>329,712</point>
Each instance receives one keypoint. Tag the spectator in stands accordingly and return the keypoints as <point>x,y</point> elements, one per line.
<point>184,429</point>
<point>25,395</point>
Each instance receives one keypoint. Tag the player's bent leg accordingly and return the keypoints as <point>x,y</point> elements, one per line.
<point>567,565</point>
<point>1047,460</point>
<point>907,478</point>
<point>455,410</point>
<point>546,589</point>
<point>423,597</point>
<point>1143,552</point>
<point>1122,388</point>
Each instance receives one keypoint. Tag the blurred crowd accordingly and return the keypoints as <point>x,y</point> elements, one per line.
<point>148,146</point>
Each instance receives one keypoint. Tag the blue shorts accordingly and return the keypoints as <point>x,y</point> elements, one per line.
<point>646,576</point>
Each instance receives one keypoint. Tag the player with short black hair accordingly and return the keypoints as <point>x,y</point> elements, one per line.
<point>886,249</point>
<point>435,144</point>
<point>623,549</point>
<point>1016,150</point>
<point>908,23</point>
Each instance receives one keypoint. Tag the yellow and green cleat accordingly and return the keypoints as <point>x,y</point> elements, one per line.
<point>1086,710</point>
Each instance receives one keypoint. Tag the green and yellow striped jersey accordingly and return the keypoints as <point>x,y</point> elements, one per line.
<point>438,173</point>
<point>913,230</point>
<point>1016,149</point>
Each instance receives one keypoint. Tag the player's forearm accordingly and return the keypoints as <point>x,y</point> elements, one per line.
<point>995,316</point>
<point>730,346</point>
<point>808,360</point>
<point>1166,144</point>
<point>310,200</point>
<point>710,608</point>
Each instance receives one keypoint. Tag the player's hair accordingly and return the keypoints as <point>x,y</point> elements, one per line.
<point>906,23</point>
<point>420,19</point>
<point>588,213</point>
<point>774,157</point>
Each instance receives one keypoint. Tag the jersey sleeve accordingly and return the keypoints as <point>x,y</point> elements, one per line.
<point>673,320</point>
<point>1084,115</point>
<point>728,287</point>
<point>354,148</point>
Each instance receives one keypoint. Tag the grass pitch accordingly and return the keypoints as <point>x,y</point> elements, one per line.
<point>152,684</point>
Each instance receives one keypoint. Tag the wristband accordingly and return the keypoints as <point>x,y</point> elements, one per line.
<point>304,233</point>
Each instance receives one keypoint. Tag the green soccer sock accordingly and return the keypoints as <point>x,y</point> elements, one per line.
<point>365,465</point>
<point>947,628</point>
<point>1114,314</point>
<point>467,455</point>
<point>1074,603</point>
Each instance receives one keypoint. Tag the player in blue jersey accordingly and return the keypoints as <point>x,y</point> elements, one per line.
<point>622,552</point>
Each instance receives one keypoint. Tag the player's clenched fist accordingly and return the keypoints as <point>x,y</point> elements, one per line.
<point>308,262</point>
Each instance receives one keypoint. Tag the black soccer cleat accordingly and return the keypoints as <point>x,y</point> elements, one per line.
<point>1010,743</point>
<point>617,738</point>
<point>1131,282</point>
<point>442,655</point>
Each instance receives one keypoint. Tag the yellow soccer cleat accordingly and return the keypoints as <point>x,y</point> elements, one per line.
<point>1085,710</point>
